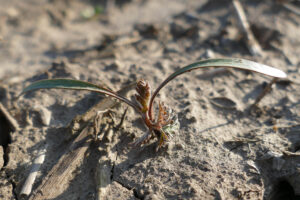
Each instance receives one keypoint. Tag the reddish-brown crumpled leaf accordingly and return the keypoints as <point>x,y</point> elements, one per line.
<point>143,96</point>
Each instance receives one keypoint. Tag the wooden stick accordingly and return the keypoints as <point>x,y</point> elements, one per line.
<point>266,90</point>
<point>252,43</point>
<point>12,122</point>
<point>291,8</point>
<point>61,173</point>
<point>27,187</point>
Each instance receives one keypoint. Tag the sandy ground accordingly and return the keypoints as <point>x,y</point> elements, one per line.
<point>220,152</point>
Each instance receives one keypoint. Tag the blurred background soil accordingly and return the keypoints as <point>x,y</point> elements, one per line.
<point>224,150</point>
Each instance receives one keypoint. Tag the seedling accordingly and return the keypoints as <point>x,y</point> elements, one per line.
<point>165,122</point>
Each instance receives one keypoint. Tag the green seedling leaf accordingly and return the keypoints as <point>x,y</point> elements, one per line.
<point>75,85</point>
<point>236,63</point>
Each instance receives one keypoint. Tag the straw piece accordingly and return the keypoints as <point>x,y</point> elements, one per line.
<point>27,187</point>
<point>252,43</point>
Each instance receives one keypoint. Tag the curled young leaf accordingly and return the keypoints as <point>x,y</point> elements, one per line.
<point>143,96</point>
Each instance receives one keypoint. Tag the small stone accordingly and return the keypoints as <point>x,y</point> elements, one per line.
<point>208,54</point>
<point>12,12</point>
<point>115,65</point>
<point>152,197</point>
<point>147,30</point>
<point>44,114</point>
<point>162,65</point>
<point>179,146</point>
<point>76,126</point>
<point>271,154</point>
<point>253,167</point>
<point>172,48</point>
<point>14,80</point>
<point>180,29</point>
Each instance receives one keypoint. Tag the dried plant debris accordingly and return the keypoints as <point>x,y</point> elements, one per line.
<point>292,6</point>
<point>39,160</point>
<point>61,172</point>
<point>1,157</point>
<point>180,29</point>
<point>223,102</point>
<point>147,30</point>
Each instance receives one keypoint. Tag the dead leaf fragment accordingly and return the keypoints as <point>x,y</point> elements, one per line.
<point>223,102</point>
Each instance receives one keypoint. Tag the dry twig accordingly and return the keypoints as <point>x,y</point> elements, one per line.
<point>60,174</point>
<point>252,43</point>
<point>291,8</point>
<point>12,122</point>
<point>266,90</point>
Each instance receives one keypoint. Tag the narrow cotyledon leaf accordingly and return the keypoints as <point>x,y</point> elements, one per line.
<point>236,63</point>
<point>75,85</point>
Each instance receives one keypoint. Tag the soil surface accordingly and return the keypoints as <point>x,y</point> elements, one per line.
<point>224,149</point>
